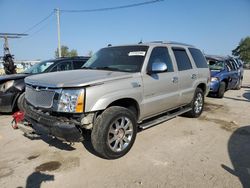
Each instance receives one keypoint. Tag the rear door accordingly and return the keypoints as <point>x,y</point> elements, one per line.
<point>186,75</point>
<point>160,89</point>
<point>233,74</point>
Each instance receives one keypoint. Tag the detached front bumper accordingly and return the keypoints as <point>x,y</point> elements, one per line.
<point>50,125</point>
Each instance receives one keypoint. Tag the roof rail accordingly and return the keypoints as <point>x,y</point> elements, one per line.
<point>171,42</point>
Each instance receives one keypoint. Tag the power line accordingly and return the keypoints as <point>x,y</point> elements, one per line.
<point>112,8</point>
<point>43,20</point>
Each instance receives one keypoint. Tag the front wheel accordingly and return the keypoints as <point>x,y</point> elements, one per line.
<point>197,104</point>
<point>114,132</point>
<point>222,89</point>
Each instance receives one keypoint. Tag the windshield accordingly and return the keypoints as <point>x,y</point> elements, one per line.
<point>216,65</point>
<point>122,58</point>
<point>39,67</point>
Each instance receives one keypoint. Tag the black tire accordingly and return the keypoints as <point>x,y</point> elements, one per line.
<point>196,110</point>
<point>21,102</point>
<point>101,133</point>
<point>222,89</point>
<point>238,87</point>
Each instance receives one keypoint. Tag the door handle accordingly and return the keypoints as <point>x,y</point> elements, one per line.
<point>194,76</point>
<point>175,79</point>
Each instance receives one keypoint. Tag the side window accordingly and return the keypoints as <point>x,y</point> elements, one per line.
<point>160,54</point>
<point>198,57</point>
<point>66,65</point>
<point>78,63</point>
<point>182,59</point>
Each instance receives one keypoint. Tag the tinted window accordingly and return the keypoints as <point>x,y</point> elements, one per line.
<point>182,60</point>
<point>78,64</point>
<point>198,57</point>
<point>66,65</point>
<point>160,54</point>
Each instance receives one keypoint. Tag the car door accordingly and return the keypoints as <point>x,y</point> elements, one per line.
<point>233,75</point>
<point>160,89</point>
<point>186,75</point>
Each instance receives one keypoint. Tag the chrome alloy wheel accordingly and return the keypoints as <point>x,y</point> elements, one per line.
<point>120,134</point>
<point>198,103</point>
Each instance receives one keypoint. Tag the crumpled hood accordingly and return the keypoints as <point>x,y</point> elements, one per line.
<point>4,78</point>
<point>75,78</point>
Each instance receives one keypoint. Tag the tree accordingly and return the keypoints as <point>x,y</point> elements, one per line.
<point>65,52</point>
<point>243,50</point>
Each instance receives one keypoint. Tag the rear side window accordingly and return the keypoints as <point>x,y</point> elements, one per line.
<point>182,59</point>
<point>198,57</point>
<point>160,54</point>
<point>78,64</point>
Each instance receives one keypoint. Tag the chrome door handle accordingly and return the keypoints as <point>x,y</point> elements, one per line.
<point>175,79</point>
<point>194,76</point>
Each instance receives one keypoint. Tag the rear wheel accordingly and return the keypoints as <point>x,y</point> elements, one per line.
<point>238,87</point>
<point>222,89</point>
<point>114,132</point>
<point>197,104</point>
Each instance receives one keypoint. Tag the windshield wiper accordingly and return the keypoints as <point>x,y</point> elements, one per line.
<point>108,68</point>
<point>87,68</point>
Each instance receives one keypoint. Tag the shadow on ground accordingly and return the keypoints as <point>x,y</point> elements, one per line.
<point>53,142</point>
<point>239,153</point>
<point>35,179</point>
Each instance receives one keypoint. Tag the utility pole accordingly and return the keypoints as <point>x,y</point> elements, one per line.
<point>58,32</point>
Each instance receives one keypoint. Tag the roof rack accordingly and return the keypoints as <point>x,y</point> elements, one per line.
<point>171,42</point>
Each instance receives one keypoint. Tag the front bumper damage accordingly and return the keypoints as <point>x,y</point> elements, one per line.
<point>50,125</point>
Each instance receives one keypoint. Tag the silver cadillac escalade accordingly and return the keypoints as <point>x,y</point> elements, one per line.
<point>119,90</point>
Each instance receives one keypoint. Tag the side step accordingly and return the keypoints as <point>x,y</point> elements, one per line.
<point>164,117</point>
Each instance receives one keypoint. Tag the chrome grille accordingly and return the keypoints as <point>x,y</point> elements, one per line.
<point>39,97</point>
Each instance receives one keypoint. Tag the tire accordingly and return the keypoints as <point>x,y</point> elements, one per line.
<point>21,102</point>
<point>222,89</point>
<point>197,104</point>
<point>114,132</point>
<point>238,87</point>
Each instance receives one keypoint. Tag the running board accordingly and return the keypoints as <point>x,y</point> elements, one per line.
<point>167,116</point>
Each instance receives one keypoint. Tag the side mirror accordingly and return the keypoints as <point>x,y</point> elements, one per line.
<point>158,68</point>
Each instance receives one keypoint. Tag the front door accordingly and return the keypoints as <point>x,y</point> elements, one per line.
<point>160,89</point>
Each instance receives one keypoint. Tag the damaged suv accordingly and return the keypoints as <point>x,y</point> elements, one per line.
<point>121,89</point>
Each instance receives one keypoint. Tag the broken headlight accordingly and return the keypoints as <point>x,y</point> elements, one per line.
<point>7,85</point>
<point>71,100</point>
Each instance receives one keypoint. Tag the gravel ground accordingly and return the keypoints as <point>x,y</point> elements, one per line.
<point>211,151</point>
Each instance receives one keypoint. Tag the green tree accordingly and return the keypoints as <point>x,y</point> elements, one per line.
<point>65,52</point>
<point>243,50</point>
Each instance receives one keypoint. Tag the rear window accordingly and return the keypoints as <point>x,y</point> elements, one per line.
<point>78,63</point>
<point>182,59</point>
<point>198,57</point>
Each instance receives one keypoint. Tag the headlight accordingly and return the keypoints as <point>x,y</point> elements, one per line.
<point>7,85</point>
<point>71,101</point>
<point>214,79</point>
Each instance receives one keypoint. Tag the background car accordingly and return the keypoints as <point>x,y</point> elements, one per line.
<point>224,75</point>
<point>12,87</point>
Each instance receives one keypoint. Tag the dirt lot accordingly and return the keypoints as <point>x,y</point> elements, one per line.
<point>212,151</point>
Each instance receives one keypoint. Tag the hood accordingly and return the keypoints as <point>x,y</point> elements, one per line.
<point>216,73</point>
<point>4,78</point>
<point>75,78</point>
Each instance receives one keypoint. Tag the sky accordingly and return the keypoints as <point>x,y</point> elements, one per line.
<point>214,26</point>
